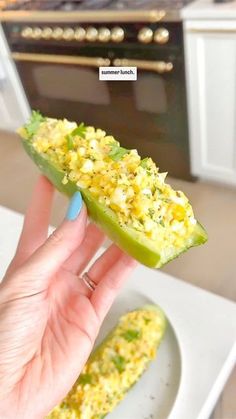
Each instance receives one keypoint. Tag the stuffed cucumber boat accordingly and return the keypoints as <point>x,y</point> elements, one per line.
<point>115,366</point>
<point>125,195</point>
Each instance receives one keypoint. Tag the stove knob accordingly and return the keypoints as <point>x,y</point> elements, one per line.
<point>104,35</point>
<point>80,34</point>
<point>47,33</point>
<point>26,32</point>
<point>145,35</point>
<point>117,34</point>
<point>91,34</point>
<point>37,33</point>
<point>57,33</point>
<point>161,36</point>
<point>68,34</point>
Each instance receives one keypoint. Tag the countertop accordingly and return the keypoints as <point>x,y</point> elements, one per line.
<point>207,9</point>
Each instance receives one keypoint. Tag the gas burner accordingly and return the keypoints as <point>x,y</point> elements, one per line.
<point>133,4</point>
<point>73,5</point>
<point>12,4</point>
<point>64,5</point>
<point>148,4</point>
<point>28,5</point>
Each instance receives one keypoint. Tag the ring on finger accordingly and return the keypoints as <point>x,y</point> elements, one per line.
<point>88,281</point>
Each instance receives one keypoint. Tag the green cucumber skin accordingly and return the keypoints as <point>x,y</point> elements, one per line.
<point>127,239</point>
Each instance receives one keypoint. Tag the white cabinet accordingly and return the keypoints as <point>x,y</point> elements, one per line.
<point>210,47</point>
<point>14,108</point>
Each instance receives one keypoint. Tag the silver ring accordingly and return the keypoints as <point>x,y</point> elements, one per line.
<point>88,281</point>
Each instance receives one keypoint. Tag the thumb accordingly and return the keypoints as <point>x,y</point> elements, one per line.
<point>49,257</point>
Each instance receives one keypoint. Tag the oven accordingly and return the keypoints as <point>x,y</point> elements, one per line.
<point>58,66</point>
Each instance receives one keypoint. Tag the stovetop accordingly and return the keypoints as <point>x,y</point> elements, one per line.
<point>77,5</point>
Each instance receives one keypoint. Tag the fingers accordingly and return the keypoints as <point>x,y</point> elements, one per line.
<point>92,241</point>
<point>108,288</point>
<point>104,263</point>
<point>48,258</point>
<point>35,228</point>
<point>100,267</point>
<point>109,272</point>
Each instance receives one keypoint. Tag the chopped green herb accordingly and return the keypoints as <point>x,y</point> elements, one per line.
<point>131,335</point>
<point>146,320</point>
<point>70,142</point>
<point>151,212</point>
<point>34,122</point>
<point>119,362</point>
<point>116,152</point>
<point>80,131</point>
<point>144,162</point>
<point>162,223</point>
<point>85,379</point>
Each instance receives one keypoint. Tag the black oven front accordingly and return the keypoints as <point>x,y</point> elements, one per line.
<point>60,78</point>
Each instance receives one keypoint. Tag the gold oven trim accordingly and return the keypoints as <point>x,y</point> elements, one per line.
<point>85,16</point>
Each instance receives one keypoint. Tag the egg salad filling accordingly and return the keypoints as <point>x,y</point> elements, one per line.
<point>115,366</point>
<point>130,186</point>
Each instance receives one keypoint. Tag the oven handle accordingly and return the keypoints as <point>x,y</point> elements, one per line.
<point>61,59</point>
<point>157,66</point>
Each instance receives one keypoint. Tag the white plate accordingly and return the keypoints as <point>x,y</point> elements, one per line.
<point>202,329</point>
<point>155,393</point>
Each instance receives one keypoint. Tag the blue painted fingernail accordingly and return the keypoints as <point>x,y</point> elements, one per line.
<point>74,207</point>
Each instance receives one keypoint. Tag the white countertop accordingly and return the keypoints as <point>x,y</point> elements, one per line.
<point>207,9</point>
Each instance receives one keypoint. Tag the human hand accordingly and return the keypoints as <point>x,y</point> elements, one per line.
<point>49,318</point>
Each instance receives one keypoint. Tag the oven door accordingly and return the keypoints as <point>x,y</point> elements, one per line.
<point>148,114</point>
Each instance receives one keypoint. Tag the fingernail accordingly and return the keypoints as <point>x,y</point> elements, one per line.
<point>74,207</point>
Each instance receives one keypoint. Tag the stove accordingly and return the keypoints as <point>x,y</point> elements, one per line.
<point>58,45</point>
<point>151,10</point>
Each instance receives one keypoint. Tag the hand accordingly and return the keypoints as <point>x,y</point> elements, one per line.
<point>49,319</point>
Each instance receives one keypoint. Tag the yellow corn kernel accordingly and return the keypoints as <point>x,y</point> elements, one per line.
<point>178,212</point>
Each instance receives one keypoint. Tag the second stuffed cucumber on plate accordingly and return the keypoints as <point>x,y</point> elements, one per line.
<point>115,366</point>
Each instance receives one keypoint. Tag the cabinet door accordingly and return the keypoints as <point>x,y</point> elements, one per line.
<point>211,81</point>
<point>14,108</point>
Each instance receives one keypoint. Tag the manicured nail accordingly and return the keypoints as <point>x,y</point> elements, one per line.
<point>74,207</point>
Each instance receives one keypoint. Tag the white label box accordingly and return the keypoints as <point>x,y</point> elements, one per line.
<point>118,73</point>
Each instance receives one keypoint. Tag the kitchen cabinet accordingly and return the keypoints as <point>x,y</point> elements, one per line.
<point>14,108</point>
<point>210,46</point>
